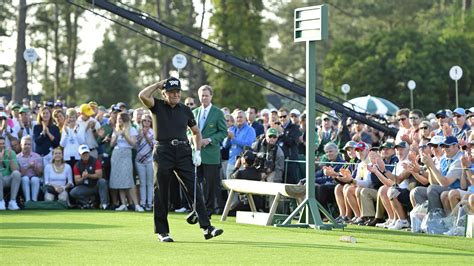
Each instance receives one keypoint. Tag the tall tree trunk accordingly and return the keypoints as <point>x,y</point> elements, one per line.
<point>203,2</point>
<point>71,36</point>
<point>72,66</point>
<point>56,51</point>
<point>20,90</point>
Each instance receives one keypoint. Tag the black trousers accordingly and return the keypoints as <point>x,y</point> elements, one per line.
<point>325,194</point>
<point>208,176</point>
<point>168,158</point>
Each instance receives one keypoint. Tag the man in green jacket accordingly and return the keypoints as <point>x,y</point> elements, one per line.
<point>213,128</point>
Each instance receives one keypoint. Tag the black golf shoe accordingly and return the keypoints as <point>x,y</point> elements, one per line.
<point>164,237</point>
<point>211,232</point>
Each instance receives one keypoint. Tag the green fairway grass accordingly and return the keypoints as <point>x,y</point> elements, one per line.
<point>107,237</point>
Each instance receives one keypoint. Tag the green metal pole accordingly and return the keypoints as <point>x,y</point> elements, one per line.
<point>311,112</point>
<point>411,99</point>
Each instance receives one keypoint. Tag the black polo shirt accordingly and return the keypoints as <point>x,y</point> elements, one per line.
<point>171,122</point>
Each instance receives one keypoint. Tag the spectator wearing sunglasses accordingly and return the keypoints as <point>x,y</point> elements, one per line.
<point>461,128</point>
<point>424,131</point>
<point>449,174</point>
<point>442,121</point>
<point>404,128</point>
<point>189,102</point>
<point>420,193</point>
<point>288,140</point>
<point>270,157</point>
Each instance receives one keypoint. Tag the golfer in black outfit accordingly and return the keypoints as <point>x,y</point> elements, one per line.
<point>173,153</point>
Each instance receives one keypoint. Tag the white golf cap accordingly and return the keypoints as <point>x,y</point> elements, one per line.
<point>83,148</point>
<point>436,140</point>
<point>295,112</point>
<point>264,111</point>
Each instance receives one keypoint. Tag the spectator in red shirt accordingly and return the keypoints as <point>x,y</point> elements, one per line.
<point>88,179</point>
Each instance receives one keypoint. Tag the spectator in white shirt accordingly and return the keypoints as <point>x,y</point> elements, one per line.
<point>71,138</point>
<point>89,126</point>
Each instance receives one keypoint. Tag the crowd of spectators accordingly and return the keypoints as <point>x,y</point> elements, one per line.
<point>91,156</point>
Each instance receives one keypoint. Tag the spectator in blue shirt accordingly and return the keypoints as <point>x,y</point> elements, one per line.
<point>46,135</point>
<point>239,136</point>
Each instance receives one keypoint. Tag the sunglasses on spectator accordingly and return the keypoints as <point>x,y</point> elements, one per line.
<point>277,123</point>
<point>272,136</point>
<point>440,117</point>
<point>422,146</point>
<point>282,116</point>
<point>423,127</point>
<point>434,145</point>
<point>190,104</point>
<point>326,119</point>
<point>414,118</point>
<point>402,119</point>
<point>458,116</point>
<point>445,146</point>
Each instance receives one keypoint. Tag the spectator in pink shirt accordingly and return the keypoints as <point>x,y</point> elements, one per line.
<point>31,169</point>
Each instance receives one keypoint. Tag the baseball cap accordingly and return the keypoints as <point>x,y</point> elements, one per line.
<point>295,112</point>
<point>401,144</point>
<point>3,114</point>
<point>350,144</point>
<point>388,145</point>
<point>116,109</point>
<point>425,123</point>
<point>121,104</point>
<point>450,140</point>
<point>2,106</point>
<point>172,84</point>
<point>361,146</point>
<point>86,109</point>
<point>436,140</point>
<point>441,113</point>
<point>83,148</point>
<point>49,104</point>
<point>272,132</point>
<point>273,110</point>
<point>324,116</point>
<point>470,110</point>
<point>58,104</point>
<point>93,104</point>
<point>264,111</point>
<point>15,106</point>
<point>24,110</point>
<point>459,111</point>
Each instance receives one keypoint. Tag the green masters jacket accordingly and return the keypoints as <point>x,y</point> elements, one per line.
<point>215,128</point>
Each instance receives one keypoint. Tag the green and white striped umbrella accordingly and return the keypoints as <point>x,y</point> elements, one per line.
<point>372,105</point>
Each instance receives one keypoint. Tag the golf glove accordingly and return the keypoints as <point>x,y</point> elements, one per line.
<point>197,158</point>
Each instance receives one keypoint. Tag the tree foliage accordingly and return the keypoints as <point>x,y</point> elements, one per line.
<point>149,60</point>
<point>382,65</point>
<point>240,33</point>
<point>107,79</point>
<point>377,46</point>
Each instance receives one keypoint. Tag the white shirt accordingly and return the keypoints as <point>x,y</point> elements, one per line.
<point>122,142</point>
<point>202,119</point>
<point>60,179</point>
<point>397,170</point>
<point>70,141</point>
<point>89,137</point>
